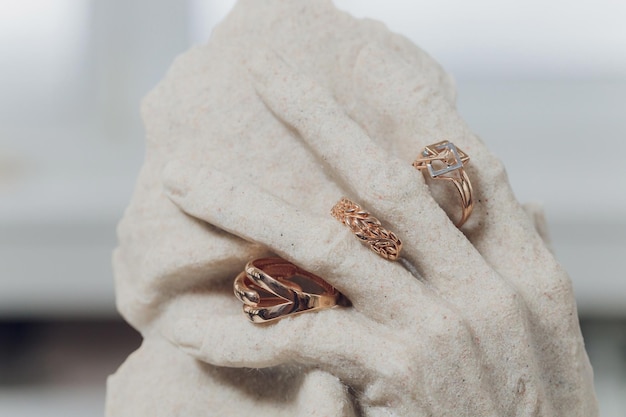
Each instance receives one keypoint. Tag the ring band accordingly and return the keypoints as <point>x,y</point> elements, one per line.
<point>368,229</point>
<point>444,161</point>
<point>272,288</point>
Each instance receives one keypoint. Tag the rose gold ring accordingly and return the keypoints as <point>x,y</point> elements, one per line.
<point>368,229</point>
<point>444,161</point>
<point>272,288</point>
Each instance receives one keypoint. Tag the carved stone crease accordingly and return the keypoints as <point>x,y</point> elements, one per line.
<point>250,140</point>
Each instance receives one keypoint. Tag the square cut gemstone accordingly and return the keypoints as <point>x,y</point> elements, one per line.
<point>448,154</point>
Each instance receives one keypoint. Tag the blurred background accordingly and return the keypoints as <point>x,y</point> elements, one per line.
<point>542,82</point>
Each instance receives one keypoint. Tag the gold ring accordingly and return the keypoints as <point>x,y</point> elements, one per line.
<point>272,288</point>
<point>444,161</point>
<point>368,229</point>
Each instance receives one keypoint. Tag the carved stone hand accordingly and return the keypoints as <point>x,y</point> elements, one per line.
<point>251,140</point>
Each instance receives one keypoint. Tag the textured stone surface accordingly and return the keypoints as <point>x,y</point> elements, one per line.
<point>251,139</point>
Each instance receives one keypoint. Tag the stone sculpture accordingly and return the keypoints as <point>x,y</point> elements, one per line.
<point>250,141</point>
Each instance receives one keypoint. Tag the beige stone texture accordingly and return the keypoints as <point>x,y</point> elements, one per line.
<point>250,140</point>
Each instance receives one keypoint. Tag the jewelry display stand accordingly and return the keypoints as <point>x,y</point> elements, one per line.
<point>251,139</point>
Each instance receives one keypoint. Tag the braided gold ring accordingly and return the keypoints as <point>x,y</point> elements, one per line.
<point>368,229</point>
